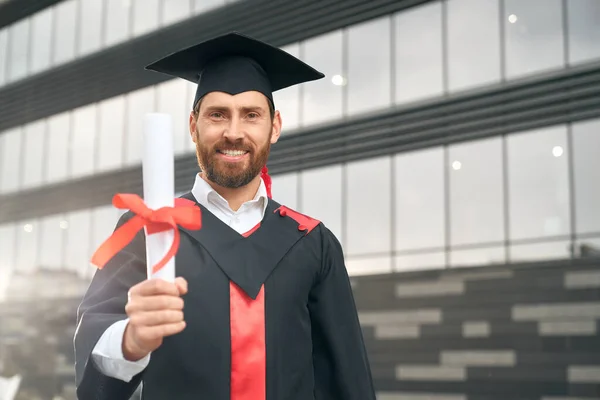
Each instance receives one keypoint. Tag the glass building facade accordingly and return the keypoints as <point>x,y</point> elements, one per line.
<point>526,195</point>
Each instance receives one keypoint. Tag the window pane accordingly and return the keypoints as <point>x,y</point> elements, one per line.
<point>65,31</point>
<point>534,36</point>
<point>3,55</point>
<point>368,206</point>
<point>476,167</point>
<point>18,63</point>
<point>51,244</point>
<point>285,190</point>
<point>369,81</point>
<point>139,103</point>
<point>110,140</point>
<point>57,156</point>
<point>540,251</point>
<point>117,21</point>
<point>322,99</point>
<point>419,53</point>
<point>78,251</point>
<point>486,256</point>
<point>369,266</point>
<point>412,262</point>
<point>319,184</point>
<point>35,135</point>
<point>172,100</point>
<point>83,141</point>
<point>10,160</point>
<point>287,100</point>
<point>538,183</point>
<point>7,247</point>
<point>40,43</point>
<point>473,43</point>
<point>584,30</point>
<point>201,6</point>
<point>27,246</point>
<point>145,16</point>
<point>90,26</point>
<point>104,221</point>
<point>174,11</point>
<point>188,144</point>
<point>420,199</point>
<point>586,143</point>
<point>588,248</point>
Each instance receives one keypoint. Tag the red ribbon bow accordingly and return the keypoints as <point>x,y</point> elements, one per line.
<point>185,213</point>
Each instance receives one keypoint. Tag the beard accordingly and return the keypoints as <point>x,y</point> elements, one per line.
<point>231,174</point>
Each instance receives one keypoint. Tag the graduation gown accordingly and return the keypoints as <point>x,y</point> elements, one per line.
<point>269,315</point>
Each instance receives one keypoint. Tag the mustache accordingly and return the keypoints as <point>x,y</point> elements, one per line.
<point>228,145</point>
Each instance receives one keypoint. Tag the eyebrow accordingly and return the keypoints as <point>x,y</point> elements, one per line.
<point>244,109</point>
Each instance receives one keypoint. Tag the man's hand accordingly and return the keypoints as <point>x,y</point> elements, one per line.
<point>155,310</point>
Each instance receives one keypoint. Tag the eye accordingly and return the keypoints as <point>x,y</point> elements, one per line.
<point>216,115</point>
<point>253,115</point>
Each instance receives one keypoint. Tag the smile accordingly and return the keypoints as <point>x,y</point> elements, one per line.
<point>233,153</point>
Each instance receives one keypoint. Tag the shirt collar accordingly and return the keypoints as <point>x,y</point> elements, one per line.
<point>207,196</point>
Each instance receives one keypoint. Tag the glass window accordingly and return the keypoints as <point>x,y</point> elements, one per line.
<point>27,246</point>
<point>584,32</point>
<point>104,221</point>
<point>7,247</point>
<point>540,251</point>
<point>368,206</point>
<point>369,66</point>
<point>83,141</point>
<point>201,6</point>
<point>117,21</point>
<point>65,31</point>
<point>3,55</point>
<point>476,192</point>
<point>319,184</point>
<point>473,43</point>
<point>173,100</point>
<point>586,164</point>
<point>90,26</point>
<point>174,11</point>
<point>368,266</point>
<point>189,145</point>
<point>139,103</point>
<point>484,256</point>
<point>10,160</point>
<point>322,99</point>
<point>287,100</point>
<point>110,138</point>
<point>18,62</point>
<point>285,190</point>
<point>35,147</point>
<point>57,155</point>
<point>588,248</point>
<point>420,214</point>
<point>145,16</point>
<point>51,244</point>
<point>413,262</point>
<point>538,181</point>
<point>534,36</point>
<point>41,40</point>
<point>418,37</point>
<point>78,251</point>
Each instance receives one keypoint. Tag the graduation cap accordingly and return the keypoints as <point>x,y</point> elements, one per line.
<point>234,63</point>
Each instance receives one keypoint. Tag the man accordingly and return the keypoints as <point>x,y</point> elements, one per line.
<point>262,308</point>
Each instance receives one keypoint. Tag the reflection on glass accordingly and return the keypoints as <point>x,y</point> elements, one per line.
<point>412,262</point>
<point>35,147</point>
<point>10,160</point>
<point>40,43</point>
<point>322,99</point>
<point>540,251</point>
<point>145,16</point>
<point>90,27</point>
<point>538,183</point>
<point>110,138</point>
<point>419,53</point>
<point>323,183</point>
<point>420,199</point>
<point>18,50</point>
<point>473,43</point>
<point>534,36</point>
<point>484,256</point>
<point>586,165</point>
<point>476,192</point>
<point>285,189</point>
<point>117,21</point>
<point>65,24</point>
<point>584,30</point>
<point>368,206</point>
<point>83,141</point>
<point>369,63</point>
<point>368,266</point>
<point>287,100</point>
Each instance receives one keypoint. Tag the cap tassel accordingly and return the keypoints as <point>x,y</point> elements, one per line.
<point>267,179</point>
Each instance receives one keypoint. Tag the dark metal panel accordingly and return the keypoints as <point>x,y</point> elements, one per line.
<point>120,69</point>
<point>14,10</point>
<point>569,96</point>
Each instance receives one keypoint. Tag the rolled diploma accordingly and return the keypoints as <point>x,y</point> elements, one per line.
<point>159,188</point>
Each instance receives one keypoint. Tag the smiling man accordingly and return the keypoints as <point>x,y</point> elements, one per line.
<point>262,308</point>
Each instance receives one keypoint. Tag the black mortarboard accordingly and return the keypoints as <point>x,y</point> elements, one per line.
<point>235,63</point>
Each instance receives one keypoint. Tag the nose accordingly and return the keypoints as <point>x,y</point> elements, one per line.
<point>233,131</point>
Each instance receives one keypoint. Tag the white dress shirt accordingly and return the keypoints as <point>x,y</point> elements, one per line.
<point>107,353</point>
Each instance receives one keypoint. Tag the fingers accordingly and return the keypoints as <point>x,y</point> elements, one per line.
<point>155,318</point>
<point>182,285</point>
<point>155,303</point>
<point>152,333</point>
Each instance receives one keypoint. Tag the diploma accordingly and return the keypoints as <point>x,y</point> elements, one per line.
<point>159,188</point>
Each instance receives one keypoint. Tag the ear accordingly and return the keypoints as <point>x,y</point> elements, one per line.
<point>192,126</point>
<point>276,130</point>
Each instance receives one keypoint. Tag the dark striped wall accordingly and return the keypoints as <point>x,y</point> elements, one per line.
<point>492,333</point>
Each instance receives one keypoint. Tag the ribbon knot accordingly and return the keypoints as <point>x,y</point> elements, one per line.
<point>185,213</point>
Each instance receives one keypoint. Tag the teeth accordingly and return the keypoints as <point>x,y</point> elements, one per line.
<point>233,152</point>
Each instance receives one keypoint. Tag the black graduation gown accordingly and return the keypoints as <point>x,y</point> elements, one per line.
<point>303,342</point>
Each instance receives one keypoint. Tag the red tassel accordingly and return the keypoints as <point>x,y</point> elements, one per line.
<point>267,179</point>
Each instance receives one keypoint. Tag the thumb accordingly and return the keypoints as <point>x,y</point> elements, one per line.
<point>182,285</point>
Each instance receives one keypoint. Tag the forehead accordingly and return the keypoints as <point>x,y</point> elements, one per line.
<point>244,99</point>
